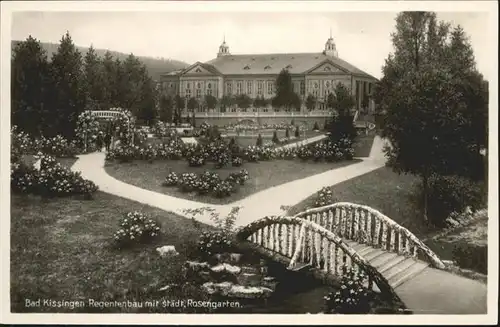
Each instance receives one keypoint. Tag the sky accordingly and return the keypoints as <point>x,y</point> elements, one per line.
<point>362,38</point>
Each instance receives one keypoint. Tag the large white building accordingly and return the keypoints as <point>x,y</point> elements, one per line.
<point>255,75</point>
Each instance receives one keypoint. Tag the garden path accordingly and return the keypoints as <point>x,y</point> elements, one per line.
<point>258,205</point>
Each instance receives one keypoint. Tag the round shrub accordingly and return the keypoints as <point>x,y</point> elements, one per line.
<point>211,243</point>
<point>236,161</point>
<point>223,189</point>
<point>171,180</point>
<point>136,227</point>
<point>196,160</point>
<point>188,182</point>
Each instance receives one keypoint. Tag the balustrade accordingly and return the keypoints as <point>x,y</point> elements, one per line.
<point>308,243</point>
<point>365,225</point>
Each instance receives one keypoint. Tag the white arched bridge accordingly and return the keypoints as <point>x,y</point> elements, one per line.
<point>328,239</point>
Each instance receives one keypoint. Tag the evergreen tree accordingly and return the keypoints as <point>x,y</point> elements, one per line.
<point>166,109</point>
<point>110,80</point>
<point>66,72</point>
<point>275,137</point>
<point>285,96</point>
<point>92,80</point>
<point>310,102</point>
<point>30,81</point>
<point>259,141</point>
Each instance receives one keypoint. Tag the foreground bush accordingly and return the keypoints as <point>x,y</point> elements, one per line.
<point>220,240</point>
<point>136,227</point>
<point>51,180</point>
<point>352,297</point>
<point>448,194</point>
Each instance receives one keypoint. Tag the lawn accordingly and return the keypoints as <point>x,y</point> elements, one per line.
<point>383,190</point>
<point>363,144</point>
<point>61,249</point>
<point>263,175</point>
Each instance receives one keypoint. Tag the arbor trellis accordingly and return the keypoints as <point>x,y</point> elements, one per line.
<point>122,122</point>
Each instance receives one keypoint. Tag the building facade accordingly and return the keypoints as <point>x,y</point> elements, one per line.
<point>255,76</point>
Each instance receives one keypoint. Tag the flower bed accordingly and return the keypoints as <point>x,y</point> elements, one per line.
<point>56,146</point>
<point>222,154</point>
<point>52,180</point>
<point>207,182</point>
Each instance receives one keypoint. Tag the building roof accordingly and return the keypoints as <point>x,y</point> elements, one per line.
<point>296,63</point>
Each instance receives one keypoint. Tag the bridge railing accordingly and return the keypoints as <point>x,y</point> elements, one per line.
<point>366,225</point>
<point>303,242</point>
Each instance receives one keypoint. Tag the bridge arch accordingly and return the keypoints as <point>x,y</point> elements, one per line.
<point>366,225</point>
<point>298,242</point>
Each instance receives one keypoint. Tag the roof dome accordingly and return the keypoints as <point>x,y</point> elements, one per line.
<point>330,47</point>
<point>223,49</point>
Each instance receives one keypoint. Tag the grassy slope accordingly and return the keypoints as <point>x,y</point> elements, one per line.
<point>263,175</point>
<point>61,249</point>
<point>383,190</point>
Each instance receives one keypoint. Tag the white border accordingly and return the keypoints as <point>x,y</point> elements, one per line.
<point>7,8</point>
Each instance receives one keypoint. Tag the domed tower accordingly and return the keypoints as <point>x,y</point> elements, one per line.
<point>223,49</point>
<point>330,47</point>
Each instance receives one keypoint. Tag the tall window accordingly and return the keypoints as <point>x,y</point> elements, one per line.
<point>302,87</point>
<point>209,89</point>
<point>188,90</point>
<point>370,88</point>
<point>198,93</point>
<point>269,87</point>
<point>229,88</point>
<point>249,87</point>
<point>239,87</point>
<point>260,87</point>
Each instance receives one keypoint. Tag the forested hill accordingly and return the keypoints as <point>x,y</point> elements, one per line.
<point>155,66</point>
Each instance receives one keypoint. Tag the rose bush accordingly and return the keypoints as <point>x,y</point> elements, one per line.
<point>51,180</point>
<point>353,297</point>
<point>136,227</point>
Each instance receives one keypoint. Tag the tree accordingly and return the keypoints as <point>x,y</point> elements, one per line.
<point>226,102</point>
<point>434,101</point>
<point>210,101</point>
<point>243,101</point>
<point>166,109</point>
<point>92,80</point>
<point>29,87</point>
<point>285,96</point>
<point>193,120</point>
<point>310,102</point>
<point>179,106</point>
<point>330,101</point>
<point>275,139</point>
<point>66,68</point>
<point>343,100</point>
<point>259,141</point>
<point>192,104</point>
<point>110,82</point>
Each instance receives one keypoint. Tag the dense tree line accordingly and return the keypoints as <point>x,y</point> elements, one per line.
<point>49,94</point>
<point>433,100</point>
